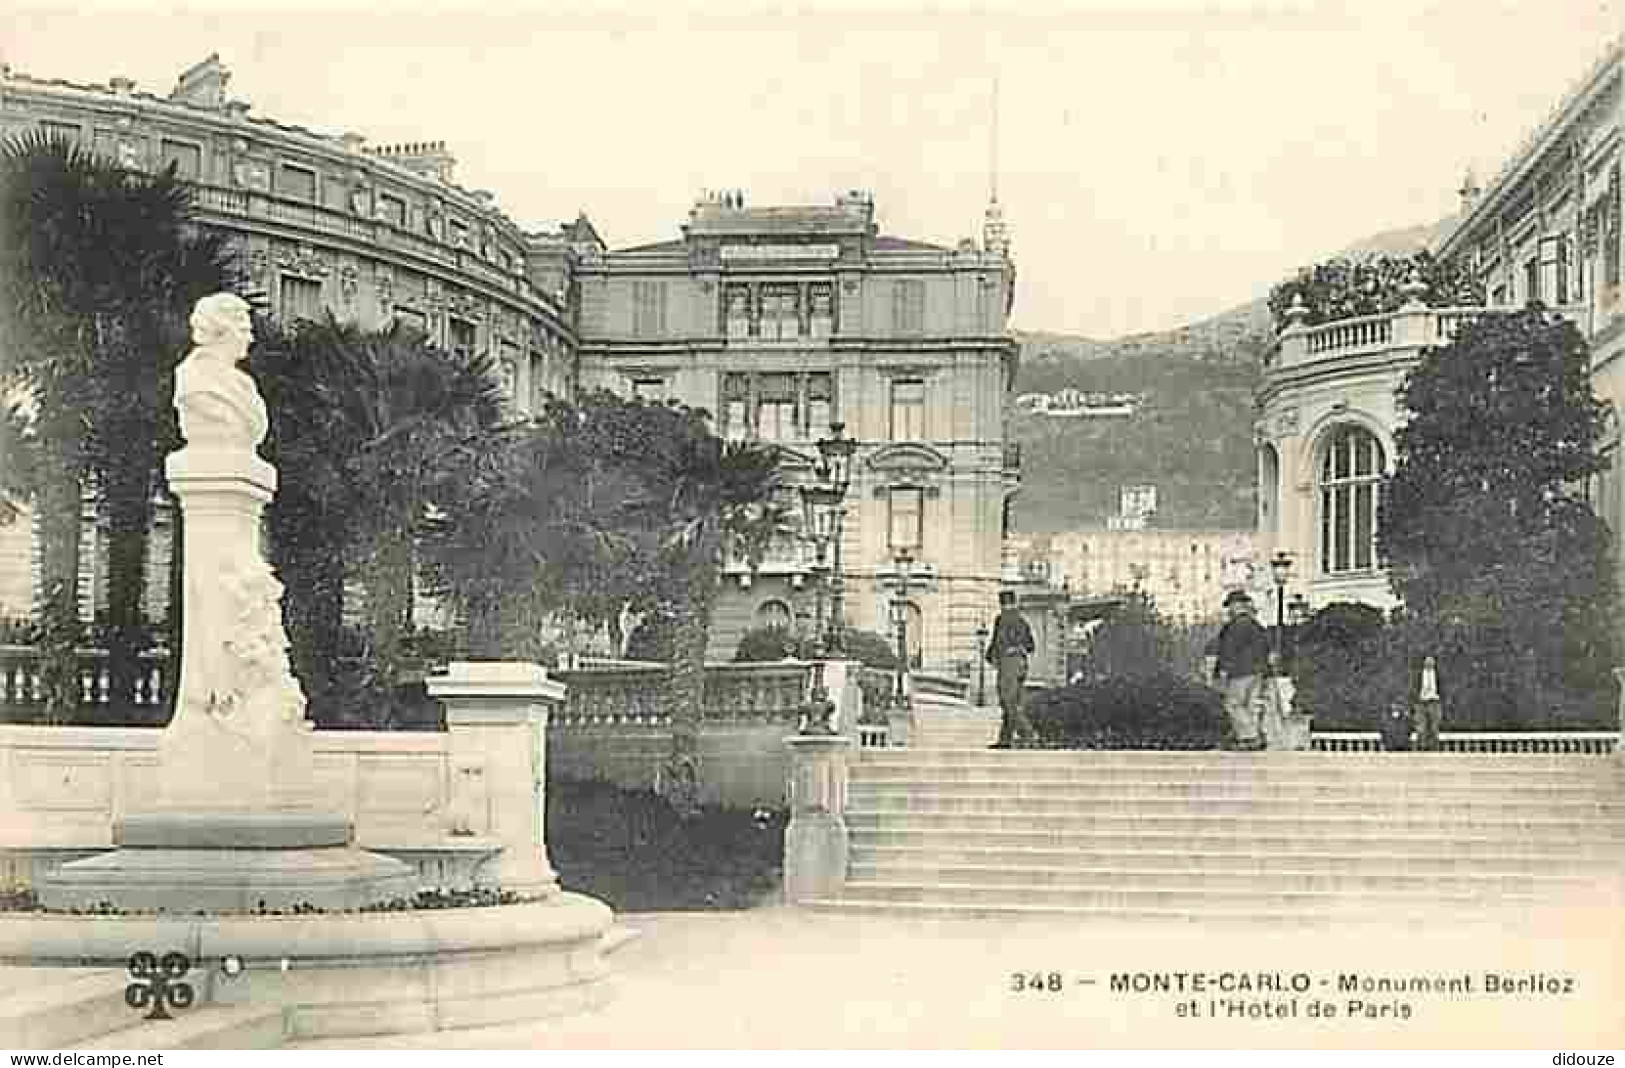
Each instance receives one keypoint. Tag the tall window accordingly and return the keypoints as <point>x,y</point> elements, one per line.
<point>735,407</point>
<point>908,409</point>
<point>1531,280</point>
<point>1563,291</point>
<point>188,159</point>
<point>906,522</point>
<point>296,182</point>
<point>648,308</point>
<point>908,306</point>
<point>460,335</point>
<point>773,614</point>
<point>649,389</point>
<point>1269,489</point>
<point>392,210</point>
<point>1351,471</point>
<point>776,407</point>
<point>299,298</point>
<point>781,314</point>
<point>915,638</point>
<point>820,404</point>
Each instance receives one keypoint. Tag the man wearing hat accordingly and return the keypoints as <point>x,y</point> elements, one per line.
<point>1243,650</point>
<point>1008,650</point>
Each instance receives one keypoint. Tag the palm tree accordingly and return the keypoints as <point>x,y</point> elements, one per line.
<point>99,266</point>
<point>372,431</point>
<point>720,500</point>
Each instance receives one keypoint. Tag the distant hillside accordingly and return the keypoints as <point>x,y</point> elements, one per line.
<point>1192,437</point>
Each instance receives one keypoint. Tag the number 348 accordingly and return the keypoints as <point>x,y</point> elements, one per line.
<point>1037,982</point>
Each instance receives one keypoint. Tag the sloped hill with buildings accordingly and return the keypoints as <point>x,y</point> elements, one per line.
<point>1191,434</point>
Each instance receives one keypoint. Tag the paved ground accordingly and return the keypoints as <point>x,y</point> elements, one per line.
<point>782,978</point>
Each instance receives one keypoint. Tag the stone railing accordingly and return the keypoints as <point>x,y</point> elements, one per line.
<point>460,805</point>
<point>379,233</point>
<point>1412,327</point>
<point>22,695</point>
<point>1599,743</point>
<point>774,691</point>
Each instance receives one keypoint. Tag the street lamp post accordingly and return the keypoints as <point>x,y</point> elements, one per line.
<point>835,470</point>
<point>981,665</point>
<point>904,558</point>
<point>1280,570</point>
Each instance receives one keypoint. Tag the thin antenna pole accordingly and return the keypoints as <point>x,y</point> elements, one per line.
<point>993,147</point>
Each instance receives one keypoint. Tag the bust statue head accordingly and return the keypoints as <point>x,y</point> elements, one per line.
<point>222,319</point>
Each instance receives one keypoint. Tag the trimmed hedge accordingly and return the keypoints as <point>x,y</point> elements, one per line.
<point>1160,710</point>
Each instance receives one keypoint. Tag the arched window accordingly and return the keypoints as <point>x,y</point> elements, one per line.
<point>773,614</point>
<point>1269,490</point>
<point>1351,471</point>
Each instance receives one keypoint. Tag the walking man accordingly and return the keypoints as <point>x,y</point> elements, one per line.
<point>1243,650</point>
<point>1007,651</point>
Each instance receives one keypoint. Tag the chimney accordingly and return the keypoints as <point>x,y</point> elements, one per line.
<point>1470,191</point>
<point>204,85</point>
<point>431,159</point>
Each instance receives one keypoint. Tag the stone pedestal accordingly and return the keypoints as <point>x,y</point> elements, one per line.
<point>815,842</point>
<point>182,863</point>
<point>268,750</point>
<point>497,712</point>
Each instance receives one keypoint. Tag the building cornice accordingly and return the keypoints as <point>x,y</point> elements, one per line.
<point>1527,157</point>
<point>235,123</point>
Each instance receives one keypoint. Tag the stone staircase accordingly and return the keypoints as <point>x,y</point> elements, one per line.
<point>1212,835</point>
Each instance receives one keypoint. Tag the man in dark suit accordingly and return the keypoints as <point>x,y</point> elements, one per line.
<point>1008,650</point>
<point>1243,649</point>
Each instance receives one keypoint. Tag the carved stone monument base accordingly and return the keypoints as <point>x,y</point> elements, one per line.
<point>184,863</point>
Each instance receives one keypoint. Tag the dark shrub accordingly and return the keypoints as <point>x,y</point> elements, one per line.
<point>770,643</point>
<point>778,643</point>
<point>1349,668</point>
<point>1150,711</point>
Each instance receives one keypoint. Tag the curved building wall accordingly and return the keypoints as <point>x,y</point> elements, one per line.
<point>319,224</point>
<point>325,223</point>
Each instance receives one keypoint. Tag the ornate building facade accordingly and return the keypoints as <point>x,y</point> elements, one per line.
<point>1545,230</point>
<point>320,223</point>
<point>782,320</point>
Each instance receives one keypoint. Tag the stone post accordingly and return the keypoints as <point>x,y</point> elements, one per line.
<point>1295,338</point>
<point>815,842</point>
<point>496,716</point>
<point>1619,743</point>
<point>1413,323</point>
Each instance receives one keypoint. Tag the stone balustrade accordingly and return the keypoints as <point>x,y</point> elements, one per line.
<point>1594,743</point>
<point>462,806</point>
<point>22,695</point>
<point>249,204</point>
<point>1412,327</point>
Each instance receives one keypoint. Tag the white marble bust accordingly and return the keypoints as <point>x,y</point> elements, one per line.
<point>218,404</point>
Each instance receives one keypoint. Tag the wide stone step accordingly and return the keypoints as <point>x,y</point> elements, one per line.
<point>1278,899</point>
<point>1229,767</point>
<point>1226,837</point>
<point>1231,804</point>
<point>1187,863</point>
<point>1303,824</point>
<point>1419,916</point>
<point>1084,788</point>
<point>1529,883</point>
<point>1167,760</point>
<point>65,1008</point>
<point>203,1027</point>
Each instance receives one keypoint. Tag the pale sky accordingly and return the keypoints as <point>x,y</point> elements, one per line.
<point>1158,160</point>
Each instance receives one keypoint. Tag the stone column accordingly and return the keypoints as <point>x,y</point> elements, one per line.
<point>496,715</point>
<point>1619,744</point>
<point>815,842</point>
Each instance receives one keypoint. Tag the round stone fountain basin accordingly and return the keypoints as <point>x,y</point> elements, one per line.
<point>357,974</point>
